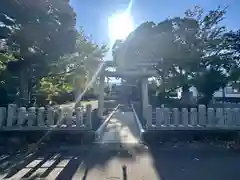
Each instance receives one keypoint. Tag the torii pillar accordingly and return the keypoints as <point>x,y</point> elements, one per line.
<point>144,93</point>
<point>101,96</point>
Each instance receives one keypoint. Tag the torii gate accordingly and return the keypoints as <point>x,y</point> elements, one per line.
<point>141,71</point>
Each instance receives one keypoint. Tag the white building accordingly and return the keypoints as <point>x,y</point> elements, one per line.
<point>229,92</point>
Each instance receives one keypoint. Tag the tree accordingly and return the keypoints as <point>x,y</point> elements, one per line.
<point>232,40</point>
<point>188,50</point>
<point>74,70</point>
<point>38,33</point>
<point>115,49</point>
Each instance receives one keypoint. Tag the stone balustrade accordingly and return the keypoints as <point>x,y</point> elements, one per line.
<point>200,118</point>
<point>21,118</point>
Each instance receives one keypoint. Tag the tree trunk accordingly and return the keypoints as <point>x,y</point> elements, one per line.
<point>23,74</point>
<point>186,95</point>
<point>24,96</point>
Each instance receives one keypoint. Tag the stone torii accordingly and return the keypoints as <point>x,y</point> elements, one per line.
<point>141,71</point>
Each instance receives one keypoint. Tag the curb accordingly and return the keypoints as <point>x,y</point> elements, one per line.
<point>99,131</point>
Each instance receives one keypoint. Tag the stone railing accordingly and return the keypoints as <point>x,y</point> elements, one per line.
<point>193,118</point>
<point>14,118</point>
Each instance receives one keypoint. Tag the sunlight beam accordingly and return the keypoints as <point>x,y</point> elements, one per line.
<point>120,25</point>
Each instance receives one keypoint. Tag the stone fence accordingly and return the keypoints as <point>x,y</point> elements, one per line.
<point>22,118</point>
<point>200,118</point>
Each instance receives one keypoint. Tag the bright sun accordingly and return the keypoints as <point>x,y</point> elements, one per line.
<point>119,26</point>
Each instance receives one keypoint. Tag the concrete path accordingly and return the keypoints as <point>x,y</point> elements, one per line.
<point>122,128</point>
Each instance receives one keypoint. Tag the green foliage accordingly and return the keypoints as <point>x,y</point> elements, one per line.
<point>42,50</point>
<point>189,51</point>
<point>73,70</point>
<point>53,86</point>
<point>37,33</point>
<point>53,24</point>
<point>4,59</point>
<point>232,41</point>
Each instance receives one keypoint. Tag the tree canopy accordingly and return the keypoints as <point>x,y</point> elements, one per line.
<point>192,50</point>
<point>76,69</point>
<point>41,50</point>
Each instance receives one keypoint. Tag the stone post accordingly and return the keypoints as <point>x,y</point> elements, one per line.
<point>228,117</point>
<point>235,116</point>
<point>176,116</point>
<point>95,87</point>
<point>41,116</point>
<point>149,116</point>
<point>79,117</point>
<point>220,116</point>
<point>69,116</point>
<point>11,114</point>
<point>31,116</point>
<point>50,116</point>
<point>210,116</point>
<point>21,116</point>
<point>89,116</point>
<point>2,116</point>
<point>159,116</point>
<point>185,118</point>
<point>202,118</point>
<point>144,86</point>
<point>193,117</point>
<point>166,114</point>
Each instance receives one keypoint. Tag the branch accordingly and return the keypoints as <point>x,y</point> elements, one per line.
<point>62,73</point>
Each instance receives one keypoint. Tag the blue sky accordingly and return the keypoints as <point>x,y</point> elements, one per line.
<point>93,14</point>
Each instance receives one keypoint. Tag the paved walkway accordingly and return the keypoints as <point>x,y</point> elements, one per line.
<point>142,164</point>
<point>95,164</point>
<point>121,128</point>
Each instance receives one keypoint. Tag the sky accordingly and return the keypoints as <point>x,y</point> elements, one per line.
<point>93,14</point>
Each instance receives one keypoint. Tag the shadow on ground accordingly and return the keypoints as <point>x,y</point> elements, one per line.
<point>68,162</point>
<point>196,162</point>
<point>165,161</point>
<point>41,164</point>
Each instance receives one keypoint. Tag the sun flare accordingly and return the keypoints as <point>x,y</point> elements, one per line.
<point>120,26</point>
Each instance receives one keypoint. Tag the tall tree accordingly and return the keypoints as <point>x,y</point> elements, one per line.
<point>188,51</point>
<point>38,32</point>
<point>74,70</point>
<point>232,40</point>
